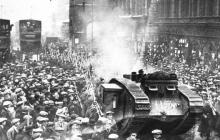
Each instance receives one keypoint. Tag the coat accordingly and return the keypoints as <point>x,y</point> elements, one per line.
<point>3,135</point>
<point>11,134</point>
<point>23,136</point>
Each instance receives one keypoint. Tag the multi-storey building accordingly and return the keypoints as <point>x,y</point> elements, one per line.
<point>193,25</point>
<point>90,10</point>
<point>84,12</point>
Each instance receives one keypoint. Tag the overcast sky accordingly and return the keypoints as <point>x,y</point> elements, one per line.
<point>52,13</point>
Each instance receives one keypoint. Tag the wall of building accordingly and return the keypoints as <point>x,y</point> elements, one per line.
<point>94,10</point>
<point>195,21</point>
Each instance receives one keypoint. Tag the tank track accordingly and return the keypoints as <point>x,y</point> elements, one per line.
<point>186,124</point>
<point>132,125</point>
<point>195,111</point>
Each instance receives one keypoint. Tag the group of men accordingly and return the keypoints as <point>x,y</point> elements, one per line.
<point>202,78</point>
<point>39,101</point>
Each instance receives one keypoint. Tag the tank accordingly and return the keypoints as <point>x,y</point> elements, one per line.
<point>144,102</point>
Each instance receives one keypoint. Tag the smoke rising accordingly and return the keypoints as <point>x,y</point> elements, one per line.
<point>112,37</point>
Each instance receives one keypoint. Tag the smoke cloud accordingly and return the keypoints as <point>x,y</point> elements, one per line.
<point>115,53</point>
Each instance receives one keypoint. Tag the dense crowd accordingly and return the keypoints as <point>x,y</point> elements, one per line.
<point>56,98</point>
<point>51,100</point>
<point>202,77</point>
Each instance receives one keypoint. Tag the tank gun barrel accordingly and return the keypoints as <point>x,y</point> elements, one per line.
<point>134,76</point>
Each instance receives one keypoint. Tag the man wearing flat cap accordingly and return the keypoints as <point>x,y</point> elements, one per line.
<point>132,136</point>
<point>37,133</point>
<point>5,111</point>
<point>3,135</point>
<point>14,130</point>
<point>157,134</point>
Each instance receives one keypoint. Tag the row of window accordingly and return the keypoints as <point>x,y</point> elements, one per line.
<point>134,7</point>
<point>189,8</point>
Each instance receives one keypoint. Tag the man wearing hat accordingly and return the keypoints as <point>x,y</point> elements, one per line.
<point>132,136</point>
<point>42,122</point>
<point>75,130</point>
<point>6,111</point>
<point>37,134</point>
<point>61,124</point>
<point>217,107</point>
<point>3,135</point>
<point>14,130</point>
<point>43,114</point>
<point>157,134</point>
<point>25,135</point>
<point>110,124</point>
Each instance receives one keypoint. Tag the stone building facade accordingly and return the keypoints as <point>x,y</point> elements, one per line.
<point>135,10</point>
<point>192,25</point>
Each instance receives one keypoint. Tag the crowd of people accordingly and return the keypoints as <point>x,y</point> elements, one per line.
<point>49,100</point>
<point>200,77</point>
<point>56,97</point>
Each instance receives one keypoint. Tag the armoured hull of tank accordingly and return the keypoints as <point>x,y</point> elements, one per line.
<point>153,104</point>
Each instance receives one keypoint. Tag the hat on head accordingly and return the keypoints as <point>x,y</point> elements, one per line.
<point>20,103</point>
<point>218,98</point>
<point>42,119</point>
<point>46,102</point>
<point>43,113</point>
<point>27,117</point>
<point>7,102</point>
<point>60,114</point>
<point>109,112</point>
<point>63,93</point>
<point>157,131</point>
<point>113,136</point>
<point>3,119</point>
<point>14,121</point>
<point>37,130</point>
<point>18,90</point>
<point>58,103</point>
<point>70,91</point>
<point>51,102</point>
<point>77,122</point>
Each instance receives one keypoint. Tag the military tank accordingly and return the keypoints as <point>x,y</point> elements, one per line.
<point>143,102</point>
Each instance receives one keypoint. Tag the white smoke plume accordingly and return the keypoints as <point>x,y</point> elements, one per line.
<point>116,56</point>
